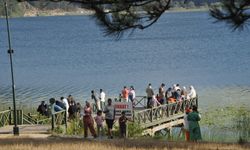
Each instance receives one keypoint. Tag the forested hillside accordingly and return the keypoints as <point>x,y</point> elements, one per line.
<point>21,8</point>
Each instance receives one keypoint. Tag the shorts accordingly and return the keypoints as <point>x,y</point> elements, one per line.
<point>110,123</point>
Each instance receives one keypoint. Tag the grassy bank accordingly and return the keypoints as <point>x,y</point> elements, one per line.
<point>56,143</point>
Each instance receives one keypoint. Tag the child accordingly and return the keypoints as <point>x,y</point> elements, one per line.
<point>186,125</point>
<point>122,123</point>
<point>99,123</point>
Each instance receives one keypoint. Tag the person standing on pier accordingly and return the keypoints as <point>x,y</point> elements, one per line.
<point>192,93</point>
<point>66,104</point>
<point>162,93</point>
<point>150,94</point>
<point>132,94</point>
<point>194,127</point>
<point>125,94</point>
<point>97,101</point>
<point>102,99</point>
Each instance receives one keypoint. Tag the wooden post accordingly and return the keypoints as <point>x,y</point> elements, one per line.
<point>151,114</point>
<point>170,136</point>
<point>196,100</point>
<point>10,117</point>
<point>167,109</point>
<point>133,115</point>
<point>65,119</point>
<point>52,121</point>
<point>17,117</point>
<point>21,117</point>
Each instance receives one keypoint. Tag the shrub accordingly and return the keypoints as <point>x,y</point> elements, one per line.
<point>134,130</point>
<point>75,127</point>
<point>58,130</point>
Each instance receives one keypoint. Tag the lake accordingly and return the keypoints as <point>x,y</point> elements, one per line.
<point>58,56</point>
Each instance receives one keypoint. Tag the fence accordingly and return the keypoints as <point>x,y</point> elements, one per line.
<point>163,113</point>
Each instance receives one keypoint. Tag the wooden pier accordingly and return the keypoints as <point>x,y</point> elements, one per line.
<point>152,120</point>
<point>162,117</point>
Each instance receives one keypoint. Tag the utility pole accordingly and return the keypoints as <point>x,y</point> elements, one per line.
<point>11,51</point>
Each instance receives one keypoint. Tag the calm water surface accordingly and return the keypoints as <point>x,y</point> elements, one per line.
<point>58,56</point>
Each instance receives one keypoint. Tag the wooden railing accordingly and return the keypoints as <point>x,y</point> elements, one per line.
<point>5,118</point>
<point>59,118</point>
<point>163,113</point>
<point>140,101</point>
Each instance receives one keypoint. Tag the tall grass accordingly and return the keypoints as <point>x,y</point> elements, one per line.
<point>135,144</point>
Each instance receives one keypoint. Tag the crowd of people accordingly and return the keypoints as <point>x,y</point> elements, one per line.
<point>171,95</point>
<point>73,109</point>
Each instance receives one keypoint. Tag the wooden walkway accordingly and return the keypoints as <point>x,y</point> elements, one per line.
<point>27,129</point>
<point>151,120</point>
<point>162,117</point>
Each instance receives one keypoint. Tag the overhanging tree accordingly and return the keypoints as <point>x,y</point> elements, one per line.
<point>234,12</point>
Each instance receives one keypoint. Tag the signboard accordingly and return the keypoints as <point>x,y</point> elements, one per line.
<point>123,106</point>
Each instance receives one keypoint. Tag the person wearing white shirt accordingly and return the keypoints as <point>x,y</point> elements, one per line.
<point>66,104</point>
<point>192,92</point>
<point>102,98</point>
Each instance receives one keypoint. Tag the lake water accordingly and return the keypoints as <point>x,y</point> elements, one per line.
<point>58,56</point>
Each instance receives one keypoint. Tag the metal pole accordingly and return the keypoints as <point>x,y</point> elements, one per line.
<point>10,51</point>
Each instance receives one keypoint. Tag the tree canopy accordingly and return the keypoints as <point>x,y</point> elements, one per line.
<point>234,12</point>
<point>117,16</point>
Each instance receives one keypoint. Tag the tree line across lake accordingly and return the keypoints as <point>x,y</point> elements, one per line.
<point>18,9</point>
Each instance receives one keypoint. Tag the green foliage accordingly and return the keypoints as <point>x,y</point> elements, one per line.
<point>134,130</point>
<point>75,127</point>
<point>242,123</point>
<point>14,8</point>
<point>234,119</point>
<point>58,130</point>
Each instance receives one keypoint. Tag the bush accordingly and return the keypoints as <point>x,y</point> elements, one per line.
<point>134,130</point>
<point>75,127</point>
<point>14,8</point>
<point>58,130</point>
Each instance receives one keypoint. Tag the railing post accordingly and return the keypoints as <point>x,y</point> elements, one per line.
<point>52,121</point>
<point>183,106</point>
<point>167,109</point>
<point>65,119</point>
<point>151,114</point>
<point>133,116</point>
<point>196,99</point>
<point>21,117</point>
<point>10,117</point>
<point>17,117</point>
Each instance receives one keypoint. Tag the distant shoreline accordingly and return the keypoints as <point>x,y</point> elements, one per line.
<point>85,12</point>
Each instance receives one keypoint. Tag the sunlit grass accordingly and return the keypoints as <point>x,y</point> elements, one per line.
<point>56,143</point>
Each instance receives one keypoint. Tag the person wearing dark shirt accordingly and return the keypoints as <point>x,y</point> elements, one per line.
<point>123,125</point>
<point>60,104</point>
<point>43,109</point>
<point>72,110</point>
